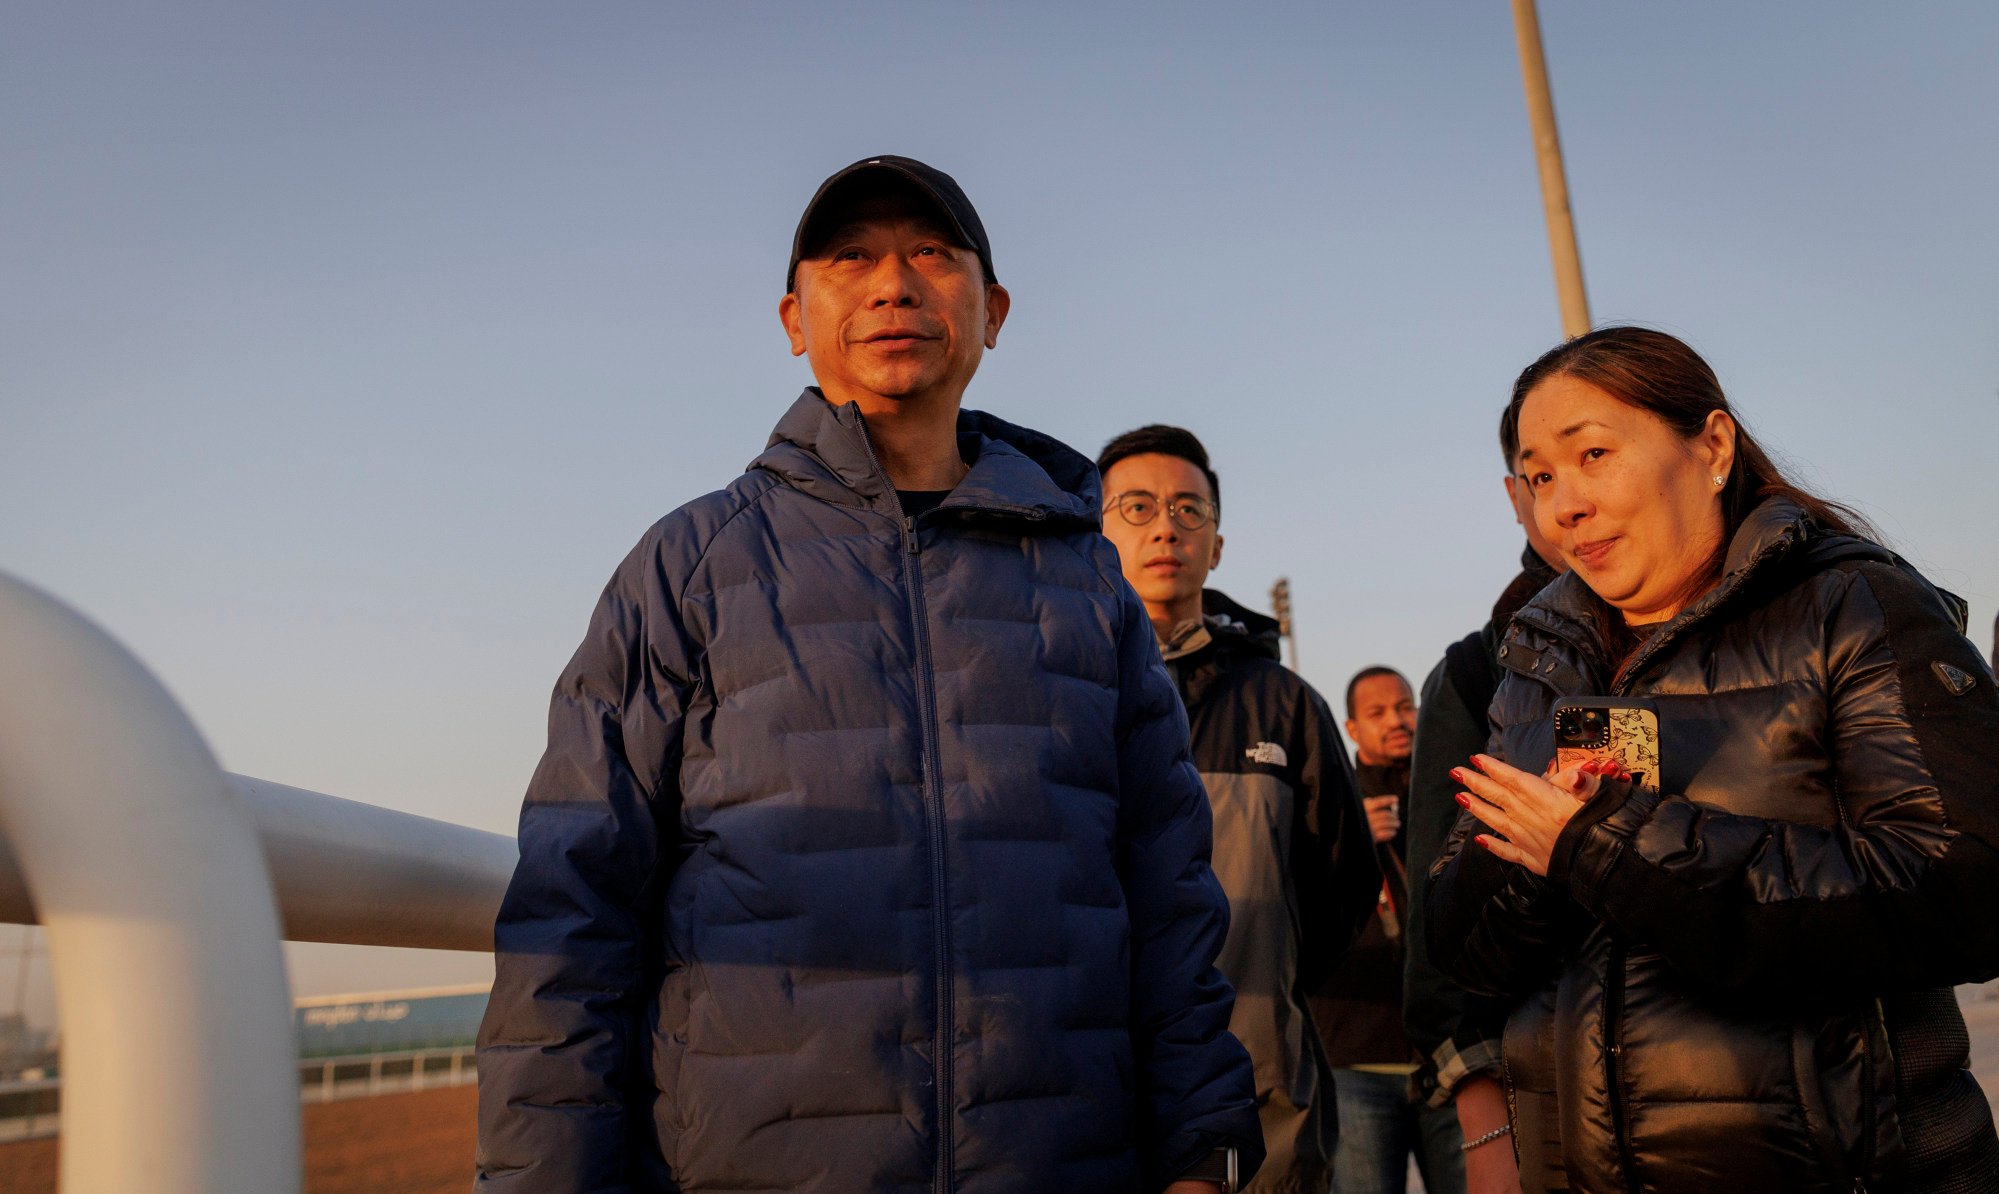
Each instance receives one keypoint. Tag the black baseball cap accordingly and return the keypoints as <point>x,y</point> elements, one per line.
<point>929,182</point>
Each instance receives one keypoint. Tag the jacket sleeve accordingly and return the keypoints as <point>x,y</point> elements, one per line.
<point>1455,1037</point>
<point>1333,863</point>
<point>1196,1089</point>
<point>564,1089</point>
<point>1496,929</point>
<point>1900,893</point>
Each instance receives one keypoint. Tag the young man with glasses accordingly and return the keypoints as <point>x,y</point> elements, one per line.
<point>1292,847</point>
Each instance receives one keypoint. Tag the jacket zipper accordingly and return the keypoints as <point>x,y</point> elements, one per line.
<point>942,1181</point>
<point>1613,1012</point>
<point>1621,683</point>
<point>1869,1126</point>
<point>1613,1064</point>
<point>933,807</point>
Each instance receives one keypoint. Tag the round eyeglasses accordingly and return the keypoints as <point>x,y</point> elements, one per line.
<point>1188,512</point>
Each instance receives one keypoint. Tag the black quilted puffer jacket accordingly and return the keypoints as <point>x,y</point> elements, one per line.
<point>866,855</point>
<point>1744,983</point>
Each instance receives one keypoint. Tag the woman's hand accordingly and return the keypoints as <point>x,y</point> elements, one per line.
<point>1528,811</point>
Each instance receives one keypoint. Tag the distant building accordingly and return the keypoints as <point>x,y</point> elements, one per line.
<point>388,1021</point>
<point>23,1048</point>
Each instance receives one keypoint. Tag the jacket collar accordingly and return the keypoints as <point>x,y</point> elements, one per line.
<point>1247,631</point>
<point>1770,530</point>
<point>1223,620</point>
<point>823,450</point>
<point>1566,609</point>
<point>1230,631</point>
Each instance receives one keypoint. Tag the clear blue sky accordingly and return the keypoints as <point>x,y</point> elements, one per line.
<point>345,348</point>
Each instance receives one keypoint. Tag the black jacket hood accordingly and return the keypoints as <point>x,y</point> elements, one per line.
<point>1245,629</point>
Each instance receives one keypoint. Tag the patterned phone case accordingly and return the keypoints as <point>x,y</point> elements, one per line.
<point>1621,731</point>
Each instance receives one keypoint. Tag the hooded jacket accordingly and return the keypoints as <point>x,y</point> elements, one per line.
<point>1293,853</point>
<point>1744,983</point>
<point>866,854</point>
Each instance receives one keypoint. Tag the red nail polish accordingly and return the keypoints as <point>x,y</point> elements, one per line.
<point>1464,801</point>
<point>1457,774</point>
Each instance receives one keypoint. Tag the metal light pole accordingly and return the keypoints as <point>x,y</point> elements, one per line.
<point>1280,605</point>
<point>1554,181</point>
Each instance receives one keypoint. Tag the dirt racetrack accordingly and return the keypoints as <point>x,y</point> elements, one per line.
<point>422,1143</point>
<point>418,1143</point>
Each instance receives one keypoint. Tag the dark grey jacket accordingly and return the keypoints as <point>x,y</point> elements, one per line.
<point>1293,853</point>
<point>1744,983</point>
<point>866,855</point>
<point>1455,1033</point>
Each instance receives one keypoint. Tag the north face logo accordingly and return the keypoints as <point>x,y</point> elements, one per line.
<point>1268,753</point>
<point>1956,679</point>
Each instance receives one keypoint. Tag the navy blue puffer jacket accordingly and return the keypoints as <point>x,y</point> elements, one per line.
<point>866,855</point>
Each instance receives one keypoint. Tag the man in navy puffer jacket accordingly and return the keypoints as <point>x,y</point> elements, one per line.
<point>867,854</point>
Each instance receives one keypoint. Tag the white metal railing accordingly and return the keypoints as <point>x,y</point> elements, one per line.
<point>30,1109</point>
<point>159,878</point>
<point>363,1075</point>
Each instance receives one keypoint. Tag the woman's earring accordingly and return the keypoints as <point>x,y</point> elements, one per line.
<point>1720,479</point>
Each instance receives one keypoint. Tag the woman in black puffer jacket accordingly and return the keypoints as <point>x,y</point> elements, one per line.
<point>1743,980</point>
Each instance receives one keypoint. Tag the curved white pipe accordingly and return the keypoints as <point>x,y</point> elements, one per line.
<point>353,873</point>
<point>360,875</point>
<point>163,935</point>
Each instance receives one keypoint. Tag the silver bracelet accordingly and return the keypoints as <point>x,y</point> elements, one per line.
<point>1488,1138</point>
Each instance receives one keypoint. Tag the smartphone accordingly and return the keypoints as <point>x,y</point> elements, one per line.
<point>1620,730</point>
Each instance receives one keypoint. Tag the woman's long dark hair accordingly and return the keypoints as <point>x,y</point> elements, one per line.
<point>1663,376</point>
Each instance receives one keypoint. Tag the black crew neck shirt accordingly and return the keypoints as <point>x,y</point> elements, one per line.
<point>918,502</point>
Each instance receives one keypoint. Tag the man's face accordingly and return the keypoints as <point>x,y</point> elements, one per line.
<point>1521,498</point>
<point>1165,563</point>
<point>889,308</point>
<point>1383,725</point>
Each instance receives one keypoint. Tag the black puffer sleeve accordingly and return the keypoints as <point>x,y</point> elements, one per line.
<point>1902,893</point>
<point>1497,929</point>
<point>1443,1020</point>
